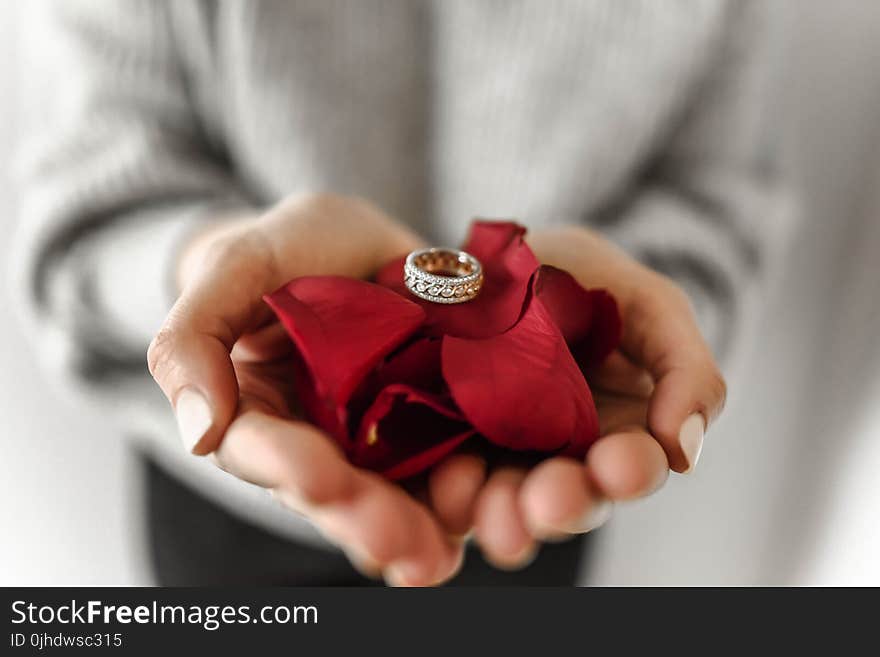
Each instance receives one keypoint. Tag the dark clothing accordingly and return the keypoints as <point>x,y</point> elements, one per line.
<point>194,542</point>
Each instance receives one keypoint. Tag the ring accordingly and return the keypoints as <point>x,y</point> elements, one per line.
<point>443,275</point>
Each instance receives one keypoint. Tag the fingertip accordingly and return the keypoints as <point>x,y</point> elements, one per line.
<point>393,530</point>
<point>555,498</point>
<point>690,438</point>
<point>198,378</point>
<point>627,465</point>
<point>454,486</point>
<point>363,563</point>
<point>674,400</point>
<point>499,525</point>
<point>411,573</point>
<point>513,561</point>
<point>195,418</point>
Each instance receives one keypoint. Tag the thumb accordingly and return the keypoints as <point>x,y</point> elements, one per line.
<point>222,299</point>
<point>190,356</point>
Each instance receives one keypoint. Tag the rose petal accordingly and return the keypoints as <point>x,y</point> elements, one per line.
<point>342,327</point>
<point>508,264</point>
<point>588,319</point>
<point>491,240</point>
<point>391,276</point>
<point>406,431</point>
<point>424,460</point>
<point>604,335</point>
<point>416,364</point>
<point>523,389</point>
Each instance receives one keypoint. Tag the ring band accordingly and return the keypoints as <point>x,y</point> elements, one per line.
<point>443,275</point>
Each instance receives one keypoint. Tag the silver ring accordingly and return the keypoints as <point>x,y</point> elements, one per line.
<point>443,275</point>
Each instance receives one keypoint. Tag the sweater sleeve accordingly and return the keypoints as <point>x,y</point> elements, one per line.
<point>116,172</point>
<point>710,209</point>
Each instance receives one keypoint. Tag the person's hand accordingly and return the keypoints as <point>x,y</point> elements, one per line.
<point>224,364</point>
<point>655,396</point>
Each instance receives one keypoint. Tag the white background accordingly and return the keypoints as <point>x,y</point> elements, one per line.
<point>66,506</point>
<point>787,490</point>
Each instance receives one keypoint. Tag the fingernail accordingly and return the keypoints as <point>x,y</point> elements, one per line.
<point>193,417</point>
<point>363,563</point>
<point>402,573</point>
<point>517,561</point>
<point>690,437</point>
<point>596,516</point>
<point>526,557</point>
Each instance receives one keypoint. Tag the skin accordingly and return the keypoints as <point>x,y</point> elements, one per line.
<point>221,340</point>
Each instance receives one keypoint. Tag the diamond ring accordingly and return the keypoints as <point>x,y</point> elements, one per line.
<point>443,275</point>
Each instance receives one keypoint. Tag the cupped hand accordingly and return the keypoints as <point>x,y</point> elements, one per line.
<point>224,364</point>
<point>655,397</point>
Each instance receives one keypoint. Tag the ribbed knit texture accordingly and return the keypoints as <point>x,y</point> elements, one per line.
<point>641,118</point>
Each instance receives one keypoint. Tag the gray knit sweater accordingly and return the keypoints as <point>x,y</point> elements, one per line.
<point>640,118</point>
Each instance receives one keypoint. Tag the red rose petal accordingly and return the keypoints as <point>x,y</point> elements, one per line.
<point>424,460</point>
<point>416,364</point>
<point>588,319</point>
<point>406,431</point>
<point>604,335</point>
<point>508,264</point>
<point>342,328</point>
<point>523,389</point>
<point>491,240</point>
<point>391,276</point>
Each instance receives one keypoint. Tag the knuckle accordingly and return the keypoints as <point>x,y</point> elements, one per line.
<point>718,390</point>
<point>676,296</point>
<point>159,353</point>
<point>660,289</point>
<point>322,200</point>
<point>229,249</point>
<point>322,204</point>
<point>250,255</point>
